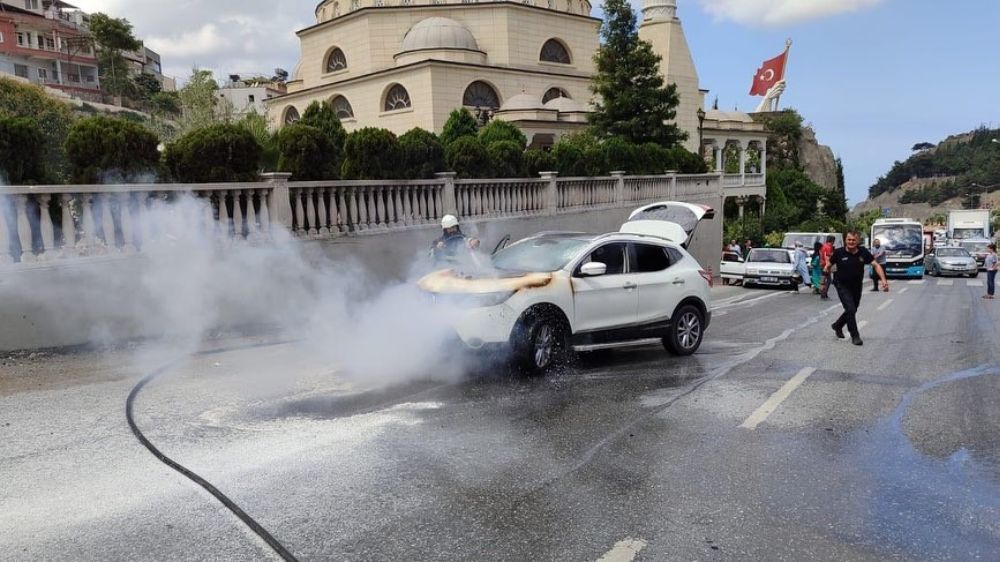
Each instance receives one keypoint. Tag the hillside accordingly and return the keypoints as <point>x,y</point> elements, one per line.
<point>919,210</point>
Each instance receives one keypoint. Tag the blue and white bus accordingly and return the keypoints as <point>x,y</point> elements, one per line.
<point>903,240</point>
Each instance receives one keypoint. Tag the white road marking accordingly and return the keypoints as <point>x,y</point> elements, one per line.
<point>903,290</point>
<point>862,324</point>
<point>917,282</point>
<point>945,282</point>
<point>975,283</point>
<point>885,305</point>
<point>624,551</point>
<point>728,303</point>
<point>772,403</point>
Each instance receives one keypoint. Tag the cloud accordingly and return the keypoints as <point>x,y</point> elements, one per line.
<point>781,12</point>
<point>225,36</point>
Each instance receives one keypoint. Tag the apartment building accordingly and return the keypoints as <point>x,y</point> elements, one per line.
<point>46,42</point>
<point>249,94</point>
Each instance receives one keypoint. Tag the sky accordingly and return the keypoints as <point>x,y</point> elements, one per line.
<point>872,77</point>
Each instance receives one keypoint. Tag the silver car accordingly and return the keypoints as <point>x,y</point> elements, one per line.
<point>950,260</point>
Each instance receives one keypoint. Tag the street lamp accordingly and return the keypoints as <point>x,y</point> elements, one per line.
<point>701,133</point>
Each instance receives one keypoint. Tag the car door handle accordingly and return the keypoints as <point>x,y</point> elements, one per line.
<point>678,281</point>
<point>629,286</point>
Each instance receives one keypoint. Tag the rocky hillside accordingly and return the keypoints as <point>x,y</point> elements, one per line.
<point>817,160</point>
<point>922,210</point>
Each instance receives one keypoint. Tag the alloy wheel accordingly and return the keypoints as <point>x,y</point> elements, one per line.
<point>544,344</point>
<point>689,330</point>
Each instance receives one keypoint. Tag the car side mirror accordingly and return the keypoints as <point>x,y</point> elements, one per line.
<point>593,269</point>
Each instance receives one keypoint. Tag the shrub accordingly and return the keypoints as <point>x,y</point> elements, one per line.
<point>579,154</point>
<point>323,117</point>
<point>653,159</point>
<point>621,155</point>
<point>306,152</point>
<point>217,153</point>
<point>536,161</point>
<point>422,154</point>
<point>52,117</point>
<point>688,162</point>
<point>371,154</point>
<point>506,159</point>
<point>21,155</point>
<point>460,124</point>
<point>568,158</point>
<point>499,130</point>
<point>100,148</point>
<point>468,158</point>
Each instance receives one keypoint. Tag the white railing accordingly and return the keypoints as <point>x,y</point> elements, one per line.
<point>40,223</point>
<point>754,180</point>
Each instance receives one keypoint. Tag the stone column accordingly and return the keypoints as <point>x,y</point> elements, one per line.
<point>125,214</point>
<point>4,235</point>
<point>68,226</point>
<point>23,228</point>
<point>48,231</point>
<point>619,187</point>
<point>743,163</point>
<point>279,211</point>
<point>551,192</point>
<point>763,159</point>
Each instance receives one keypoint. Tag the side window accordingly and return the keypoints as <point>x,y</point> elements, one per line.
<point>611,255</point>
<point>649,258</point>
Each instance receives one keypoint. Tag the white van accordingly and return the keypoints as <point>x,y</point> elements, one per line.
<point>809,239</point>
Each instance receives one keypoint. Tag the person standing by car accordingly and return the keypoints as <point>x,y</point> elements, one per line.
<point>747,246</point>
<point>824,259</point>
<point>802,266</point>
<point>849,276</point>
<point>451,239</point>
<point>734,247</point>
<point>816,267</point>
<point>878,252</point>
<point>991,271</point>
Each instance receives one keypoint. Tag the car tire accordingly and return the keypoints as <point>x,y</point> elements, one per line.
<point>687,329</point>
<point>973,275</point>
<point>540,343</point>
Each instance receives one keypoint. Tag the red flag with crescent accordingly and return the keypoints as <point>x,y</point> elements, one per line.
<point>769,74</point>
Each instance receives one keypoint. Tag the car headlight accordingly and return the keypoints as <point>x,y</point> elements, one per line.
<point>483,300</point>
<point>753,271</point>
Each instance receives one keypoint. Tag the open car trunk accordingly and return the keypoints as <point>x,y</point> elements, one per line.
<point>673,220</point>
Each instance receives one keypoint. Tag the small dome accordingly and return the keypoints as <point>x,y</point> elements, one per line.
<point>522,102</point>
<point>565,105</point>
<point>439,33</point>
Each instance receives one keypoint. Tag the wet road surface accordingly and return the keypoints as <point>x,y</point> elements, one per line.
<point>775,442</point>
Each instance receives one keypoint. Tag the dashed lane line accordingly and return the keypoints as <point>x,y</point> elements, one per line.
<point>917,282</point>
<point>945,282</point>
<point>772,403</point>
<point>729,303</point>
<point>903,290</point>
<point>885,305</point>
<point>862,324</point>
<point>624,551</point>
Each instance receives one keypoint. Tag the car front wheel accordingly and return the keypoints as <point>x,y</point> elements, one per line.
<point>686,331</point>
<point>540,344</point>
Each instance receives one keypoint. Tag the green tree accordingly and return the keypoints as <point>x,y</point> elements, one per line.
<point>506,159</point>
<point>146,86</point>
<point>198,100</point>
<point>460,124</point>
<point>632,100</point>
<point>305,152</point>
<point>21,151</point>
<point>422,154</point>
<point>103,149</point>
<point>166,104</point>
<point>324,117</point>
<point>785,128</point>
<point>687,162</point>
<point>536,161</point>
<point>654,159</point>
<point>500,130</point>
<point>371,154</point>
<point>53,118</point>
<point>256,125</point>
<point>112,37</point>
<point>621,155</point>
<point>217,153</point>
<point>579,154</point>
<point>468,158</point>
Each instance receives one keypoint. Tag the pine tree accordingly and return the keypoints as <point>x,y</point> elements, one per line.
<point>633,101</point>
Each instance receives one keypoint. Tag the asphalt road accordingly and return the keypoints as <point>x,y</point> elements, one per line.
<point>775,442</point>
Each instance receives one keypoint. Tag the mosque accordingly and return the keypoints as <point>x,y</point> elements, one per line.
<point>399,64</point>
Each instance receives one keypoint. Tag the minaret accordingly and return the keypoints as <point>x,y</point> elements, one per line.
<point>662,28</point>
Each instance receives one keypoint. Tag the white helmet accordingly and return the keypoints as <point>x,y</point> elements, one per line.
<point>449,221</point>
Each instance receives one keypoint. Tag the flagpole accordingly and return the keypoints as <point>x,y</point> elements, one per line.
<point>784,64</point>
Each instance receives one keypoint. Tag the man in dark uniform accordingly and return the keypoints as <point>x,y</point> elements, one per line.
<point>848,266</point>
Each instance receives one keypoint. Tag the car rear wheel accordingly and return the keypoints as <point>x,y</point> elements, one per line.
<point>539,344</point>
<point>686,331</point>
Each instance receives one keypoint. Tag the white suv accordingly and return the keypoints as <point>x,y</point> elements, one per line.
<point>560,290</point>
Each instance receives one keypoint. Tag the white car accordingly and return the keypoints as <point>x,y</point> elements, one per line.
<point>774,267</point>
<point>555,291</point>
<point>732,268</point>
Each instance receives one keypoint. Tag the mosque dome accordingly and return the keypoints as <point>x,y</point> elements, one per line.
<point>439,33</point>
<point>565,105</point>
<point>522,102</point>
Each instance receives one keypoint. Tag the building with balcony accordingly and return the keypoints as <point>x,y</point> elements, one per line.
<point>46,42</point>
<point>246,95</point>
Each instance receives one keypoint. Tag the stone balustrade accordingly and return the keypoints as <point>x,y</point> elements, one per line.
<point>44,223</point>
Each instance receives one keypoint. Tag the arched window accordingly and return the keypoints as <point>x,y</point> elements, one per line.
<point>480,94</point>
<point>553,93</point>
<point>554,51</point>
<point>336,60</point>
<point>342,108</point>
<point>291,115</point>
<point>396,98</point>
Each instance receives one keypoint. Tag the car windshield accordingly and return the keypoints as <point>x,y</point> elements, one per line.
<point>904,240</point>
<point>807,240</point>
<point>769,256</point>
<point>538,254</point>
<point>952,253</point>
<point>975,247</point>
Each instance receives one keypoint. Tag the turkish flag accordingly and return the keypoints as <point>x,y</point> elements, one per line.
<point>769,74</point>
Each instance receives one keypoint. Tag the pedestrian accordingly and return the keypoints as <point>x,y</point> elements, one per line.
<point>747,246</point>
<point>848,268</point>
<point>802,266</point>
<point>878,252</point>
<point>991,271</point>
<point>824,259</point>
<point>734,247</point>
<point>816,267</point>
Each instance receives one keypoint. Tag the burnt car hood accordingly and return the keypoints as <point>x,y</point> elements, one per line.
<point>450,281</point>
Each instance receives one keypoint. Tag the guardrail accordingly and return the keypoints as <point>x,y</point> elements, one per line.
<point>43,223</point>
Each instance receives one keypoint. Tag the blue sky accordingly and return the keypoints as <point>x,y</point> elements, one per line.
<point>872,82</point>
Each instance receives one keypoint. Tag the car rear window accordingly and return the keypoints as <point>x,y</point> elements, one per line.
<point>650,258</point>
<point>769,256</point>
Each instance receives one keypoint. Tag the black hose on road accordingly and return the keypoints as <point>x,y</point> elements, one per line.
<point>230,505</point>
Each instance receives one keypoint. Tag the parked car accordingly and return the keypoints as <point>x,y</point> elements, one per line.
<point>773,267</point>
<point>732,268</point>
<point>556,291</point>
<point>978,249</point>
<point>950,260</point>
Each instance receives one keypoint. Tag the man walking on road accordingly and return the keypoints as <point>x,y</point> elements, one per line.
<point>878,252</point>
<point>848,276</point>
<point>824,259</point>
<point>991,271</point>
